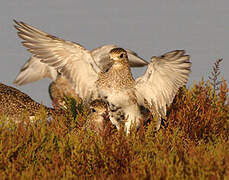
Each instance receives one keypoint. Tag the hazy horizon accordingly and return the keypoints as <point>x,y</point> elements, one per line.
<point>149,28</point>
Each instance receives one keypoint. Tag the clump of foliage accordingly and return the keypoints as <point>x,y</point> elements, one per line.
<point>214,77</point>
<point>193,144</point>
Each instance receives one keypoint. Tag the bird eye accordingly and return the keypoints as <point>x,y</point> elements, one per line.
<point>121,55</point>
<point>93,110</point>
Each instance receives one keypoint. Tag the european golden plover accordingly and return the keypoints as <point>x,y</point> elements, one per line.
<point>155,89</point>
<point>34,70</point>
<point>98,116</point>
<point>15,104</point>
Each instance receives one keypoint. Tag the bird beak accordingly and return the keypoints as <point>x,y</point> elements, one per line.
<point>136,61</point>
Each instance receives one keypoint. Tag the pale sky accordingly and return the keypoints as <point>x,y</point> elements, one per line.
<point>148,27</point>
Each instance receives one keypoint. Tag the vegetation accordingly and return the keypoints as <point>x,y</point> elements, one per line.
<point>193,143</point>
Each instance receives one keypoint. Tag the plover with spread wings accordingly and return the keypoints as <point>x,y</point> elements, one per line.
<point>34,70</point>
<point>155,89</point>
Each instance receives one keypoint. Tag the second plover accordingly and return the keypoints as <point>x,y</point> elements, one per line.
<point>15,104</point>
<point>98,116</point>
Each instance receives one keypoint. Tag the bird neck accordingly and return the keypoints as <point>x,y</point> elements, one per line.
<point>118,76</point>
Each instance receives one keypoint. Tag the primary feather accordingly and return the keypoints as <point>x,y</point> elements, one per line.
<point>73,60</point>
<point>164,76</point>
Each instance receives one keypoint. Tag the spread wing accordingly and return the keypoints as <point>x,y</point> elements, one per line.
<point>73,60</point>
<point>101,56</point>
<point>162,79</point>
<point>34,70</point>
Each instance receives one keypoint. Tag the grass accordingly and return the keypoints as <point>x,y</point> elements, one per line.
<point>192,144</point>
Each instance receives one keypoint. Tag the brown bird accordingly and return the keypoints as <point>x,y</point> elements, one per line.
<point>59,90</point>
<point>16,104</point>
<point>98,116</point>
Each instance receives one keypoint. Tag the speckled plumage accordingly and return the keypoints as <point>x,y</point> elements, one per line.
<point>98,116</point>
<point>119,75</point>
<point>59,89</point>
<point>15,104</point>
<point>117,87</point>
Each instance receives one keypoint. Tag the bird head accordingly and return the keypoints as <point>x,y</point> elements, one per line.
<point>118,55</point>
<point>99,107</point>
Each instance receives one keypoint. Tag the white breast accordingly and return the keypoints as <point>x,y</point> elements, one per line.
<point>123,108</point>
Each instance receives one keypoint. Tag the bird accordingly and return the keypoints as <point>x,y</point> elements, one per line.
<point>14,104</point>
<point>61,90</point>
<point>34,70</point>
<point>155,89</point>
<point>98,116</point>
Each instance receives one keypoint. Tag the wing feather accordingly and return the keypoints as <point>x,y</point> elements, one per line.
<point>34,70</point>
<point>162,79</point>
<point>73,60</point>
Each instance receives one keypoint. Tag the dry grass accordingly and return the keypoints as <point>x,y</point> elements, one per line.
<point>192,145</point>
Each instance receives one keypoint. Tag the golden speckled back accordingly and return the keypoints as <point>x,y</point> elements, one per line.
<point>14,103</point>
